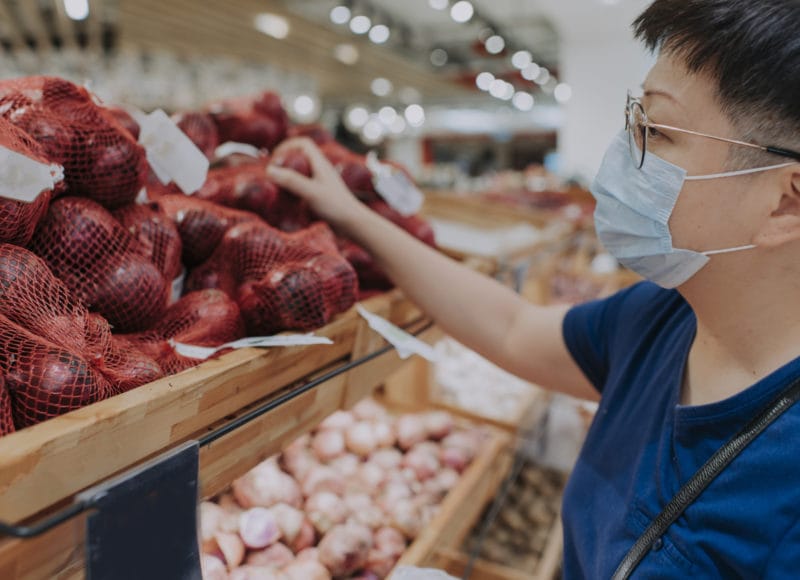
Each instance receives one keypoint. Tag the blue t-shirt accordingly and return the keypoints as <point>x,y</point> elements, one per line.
<point>643,446</point>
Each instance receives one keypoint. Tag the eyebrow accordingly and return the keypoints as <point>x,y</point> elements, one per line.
<point>663,93</point>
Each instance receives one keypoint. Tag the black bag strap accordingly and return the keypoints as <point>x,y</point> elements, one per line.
<point>703,478</point>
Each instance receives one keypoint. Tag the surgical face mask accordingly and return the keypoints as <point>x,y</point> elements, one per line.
<point>633,211</point>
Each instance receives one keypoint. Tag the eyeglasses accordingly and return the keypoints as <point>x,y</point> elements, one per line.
<point>639,127</point>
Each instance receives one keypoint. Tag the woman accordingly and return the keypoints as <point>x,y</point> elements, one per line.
<point>701,196</point>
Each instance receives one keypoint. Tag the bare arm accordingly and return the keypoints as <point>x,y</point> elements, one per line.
<point>474,309</point>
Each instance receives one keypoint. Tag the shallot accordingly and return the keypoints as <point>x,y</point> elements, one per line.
<point>405,516</point>
<point>211,517</point>
<point>264,486</point>
<point>325,510</point>
<point>289,521</point>
<point>347,465</point>
<point>361,438</point>
<point>386,458</point>
<point>339,420</point>
<point>364,511</point>
<point>306,570</point>
<point>309,554</point>
<point>213,568</point>
<point>410,431</point>
<point>390,541</point>
<point>439,424</point>
<point>385,436</point>
<point>258,528</point>
<point>231,547</point>
<point>345,549</point>
<point>369,410</point>
<point>424,463</point>
<point>322,478</point>
<point>276,556</point>
<point>305,539</point>
<point>328,445</point>
<point>256,573</point>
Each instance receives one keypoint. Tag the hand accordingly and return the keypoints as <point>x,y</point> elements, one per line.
<point>325,191</point>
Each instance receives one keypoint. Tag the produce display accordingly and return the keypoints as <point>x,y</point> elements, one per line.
<point>466,380</point>
<point>517,538</point>
<point>341,502</point>
<point>107,268</point>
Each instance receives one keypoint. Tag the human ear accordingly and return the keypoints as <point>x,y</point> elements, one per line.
<point>783,224</point>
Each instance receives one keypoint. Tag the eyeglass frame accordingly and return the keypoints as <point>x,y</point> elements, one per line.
<point>636,102</point>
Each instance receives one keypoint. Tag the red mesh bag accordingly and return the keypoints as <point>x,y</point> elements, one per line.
<point>201,129</point>
<point>245,187</point>
<point>126,120</point>
<point>18,219</point>
<point>260,121</point>
<point>44,379</point>
<point>6,413</point>
<point>103,265</point>
<point>370,277</point>
<point>36,300</point>
<point>201,224</point>
<point>101,159</point>
<point>281,281</point>
<point>203,318</point>
<point>353,169</point>
<point>157,234</point>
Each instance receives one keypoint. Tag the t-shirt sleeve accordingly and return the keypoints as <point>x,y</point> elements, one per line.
<point>589,330</point>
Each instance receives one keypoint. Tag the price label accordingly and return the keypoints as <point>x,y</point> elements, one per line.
<point>171,154</point>
<point>405,343</point>
<point>23,178</point>
<point>232,148</point>
<point>281,340</point>
<point>395,187</point>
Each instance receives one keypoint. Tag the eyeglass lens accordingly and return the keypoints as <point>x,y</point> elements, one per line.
<point>637,133</point>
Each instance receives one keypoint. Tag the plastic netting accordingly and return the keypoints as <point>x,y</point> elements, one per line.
<point>317,133</point>
<point>245,187</point>
<point>44,379</point>
<point>35,299</point>
<point>18,219</point>
<point>201,129</point>
<point>126,120</point>
<point>353,169</point>
<point>157,234</point>
<point>6,410</point>
<point>281,281</point>
<point>102,160</point>
<point>370,277</point>
<point>103,265</point>
<point>203,318</point>
<point>260,121</point>
<point>201,224</point>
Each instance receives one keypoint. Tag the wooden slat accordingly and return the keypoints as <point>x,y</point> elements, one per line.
<point>553,553</point>
<point>57,554</point>
<point>32,18</point>
<point>455,563</point>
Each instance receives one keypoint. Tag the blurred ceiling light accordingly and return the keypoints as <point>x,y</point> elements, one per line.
<point>398,125</point>
<point>521,59</point>
<point>381,87</point>
<point>484,81</point>
<point>562,92</point>
<point>356,118</point>
<point>379,33</point>
<point>340,14</point>
<point>531,71</point>
<point>508,92</point>
<point>306,108</point>
<point>346,54</point>
<point>272,25</point>
<point>495,44</point>
<point>523,101</point>
<point>497,88</point>
<point>462,11</point>
<point>409,95</point>
<point>387,115</point>
<point>373,132</point>
<point>439,4</point>
<point>77,9</point>
<point>360,24</point>
<point>415,115</point>
<point>542,77</point>
<point>439,57</point>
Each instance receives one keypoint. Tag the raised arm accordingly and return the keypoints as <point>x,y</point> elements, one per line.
<point>475,310</point>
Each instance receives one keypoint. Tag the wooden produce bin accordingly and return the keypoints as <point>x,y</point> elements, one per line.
<point>44,466</point>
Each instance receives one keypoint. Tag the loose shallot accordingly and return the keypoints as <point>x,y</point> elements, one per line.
<point>265,486</point>
<point>258,528</point>
<point>326,510</point>
<point>410,431</point>
<point>361,438</point>
<point>276,556</point>
<point>328,445</point>
<point>345,548</point>
<point>306,570</point>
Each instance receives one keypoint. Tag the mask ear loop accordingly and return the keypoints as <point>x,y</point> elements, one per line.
<point>737,173</point>
<point>729,250</point>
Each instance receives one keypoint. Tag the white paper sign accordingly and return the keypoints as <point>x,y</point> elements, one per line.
<point>414,573</point>
<point>232,147</point>
<point>395,187</point>
<point>171,154</point>
<point>176,290</point>
<point>23,178</point>
<point>405,343</point>
<point>203,352</point>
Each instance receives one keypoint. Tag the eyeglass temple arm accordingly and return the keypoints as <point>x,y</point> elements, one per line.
<point>775,150</point>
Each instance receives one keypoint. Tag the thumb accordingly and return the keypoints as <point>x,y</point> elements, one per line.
<point>290,179</point>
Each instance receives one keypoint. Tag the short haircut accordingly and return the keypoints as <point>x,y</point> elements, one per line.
<point>751,48</point>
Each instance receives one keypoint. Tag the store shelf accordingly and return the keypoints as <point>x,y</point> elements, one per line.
<point>50,462</point>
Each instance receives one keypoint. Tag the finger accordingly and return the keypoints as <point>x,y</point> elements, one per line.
<point>315,156</point>
<point>290,179</point>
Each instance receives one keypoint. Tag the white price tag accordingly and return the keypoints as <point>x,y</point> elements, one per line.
<point>176,290</point>
<point>395,187</point>
<point>232,147</point>
<point>171,154</point>
<point>203,352</point>
<point>23,178</point>
<point>405,343</point>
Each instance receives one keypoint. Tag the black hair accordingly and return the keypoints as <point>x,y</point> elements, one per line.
<point>751,48</point>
